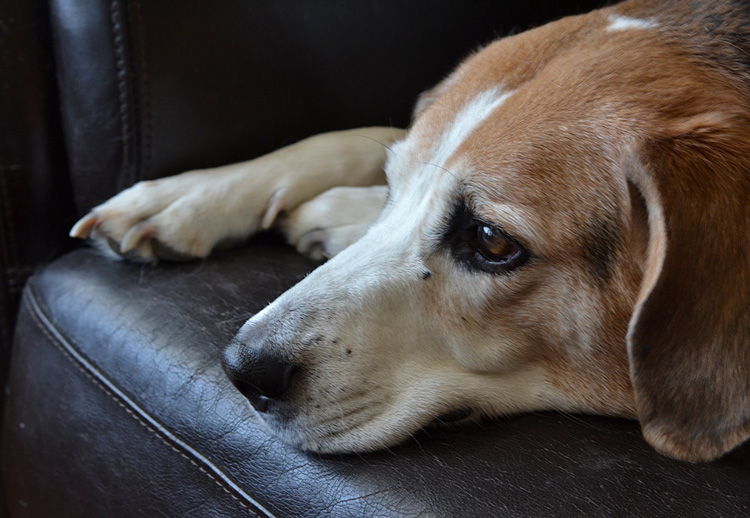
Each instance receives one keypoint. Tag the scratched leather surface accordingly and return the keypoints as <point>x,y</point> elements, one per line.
<point>149,88</point>
<point>156,334</point>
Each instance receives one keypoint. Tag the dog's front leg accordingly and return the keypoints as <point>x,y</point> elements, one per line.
<point>189,214</point>
<point>323,226</point>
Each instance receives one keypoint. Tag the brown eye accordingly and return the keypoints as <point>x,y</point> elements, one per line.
<point>482,246</point>
<point>494,245</point>
<point>492,250</point>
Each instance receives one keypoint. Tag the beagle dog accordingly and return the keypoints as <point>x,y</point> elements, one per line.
<point>565,226</point>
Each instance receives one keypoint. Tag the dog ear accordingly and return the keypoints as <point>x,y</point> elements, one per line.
<point>689,336</point>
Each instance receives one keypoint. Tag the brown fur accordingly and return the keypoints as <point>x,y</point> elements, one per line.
<point>632,146</point>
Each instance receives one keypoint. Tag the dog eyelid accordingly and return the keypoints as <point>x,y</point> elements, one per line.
<point>468,235</point>
<point>505,219</point>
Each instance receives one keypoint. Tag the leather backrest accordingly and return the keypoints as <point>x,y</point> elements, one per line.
<point>151,88</point>
<point>98,94</point>
<point>35,204</point>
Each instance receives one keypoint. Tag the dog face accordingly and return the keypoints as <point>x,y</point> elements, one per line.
<point>537,251</point>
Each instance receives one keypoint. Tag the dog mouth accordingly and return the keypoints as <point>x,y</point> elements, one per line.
<point>321,426</point>
<point>358,427</point>
<point>454,417</point>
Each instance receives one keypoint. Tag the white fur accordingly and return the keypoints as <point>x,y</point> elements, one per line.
<point>404,367</point>
<point>192,212</point>
<point>623,23</point>
<point>330,222</point>
<point>370,299</point>
<point>467,120</point>
<point>379,361</point>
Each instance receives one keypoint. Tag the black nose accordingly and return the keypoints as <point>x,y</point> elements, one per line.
<point>257,373</point>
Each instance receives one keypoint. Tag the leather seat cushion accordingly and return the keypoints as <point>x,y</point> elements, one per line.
<point>117,392</point>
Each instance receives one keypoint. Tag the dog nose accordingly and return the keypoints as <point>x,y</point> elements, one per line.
<point>259,374</point>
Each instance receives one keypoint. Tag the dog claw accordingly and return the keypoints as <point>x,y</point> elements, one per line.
<point>135,235</point>
<point>82,229</point>
<point>312,244</point>
<point>276,205</point>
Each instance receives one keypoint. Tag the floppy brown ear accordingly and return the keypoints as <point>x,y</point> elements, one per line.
<point>689,337</point>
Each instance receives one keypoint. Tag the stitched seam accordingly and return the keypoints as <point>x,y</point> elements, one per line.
<point>122,94</point>
<point>145,95</point>
<point>61,347</point>
<point>37,312</point>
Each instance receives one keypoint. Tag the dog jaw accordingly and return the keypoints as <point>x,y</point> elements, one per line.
<point>384,348</point>
<point>532,133</point>
<point>378,364</point>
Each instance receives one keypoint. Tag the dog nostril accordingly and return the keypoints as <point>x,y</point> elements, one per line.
<point>271,376</point>
<point>259,377</point>
<point>258,400</point>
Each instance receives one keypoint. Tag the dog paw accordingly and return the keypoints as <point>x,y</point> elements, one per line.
<point>322,227</point>
<point>179,217</point>
<point>149,221</point>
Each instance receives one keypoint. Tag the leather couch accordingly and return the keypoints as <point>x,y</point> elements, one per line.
<point>115,403</point>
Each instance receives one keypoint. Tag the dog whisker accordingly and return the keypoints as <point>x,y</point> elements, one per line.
<point>342,415</point>
<point>349,397</point>
<point>377,141</point>
<point>454,175</point>
<point>332,434</point>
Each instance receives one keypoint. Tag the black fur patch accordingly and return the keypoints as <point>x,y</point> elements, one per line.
<point>716,30</point>
<point>600,245</point>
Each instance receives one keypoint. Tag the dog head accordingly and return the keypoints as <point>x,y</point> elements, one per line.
<point>566,229</point>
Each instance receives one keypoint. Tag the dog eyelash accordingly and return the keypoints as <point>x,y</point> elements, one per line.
<point>494,250</point>
<point>483,246</point>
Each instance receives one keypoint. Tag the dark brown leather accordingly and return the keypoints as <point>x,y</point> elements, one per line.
<point>151,88</point>
<point>147,89</point>
<point>35,208</point>
<point>118,407</point>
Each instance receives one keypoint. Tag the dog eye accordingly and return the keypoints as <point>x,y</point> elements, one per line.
<point>479,245</point>
<point>493,245</point>
<point>493,250</point>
